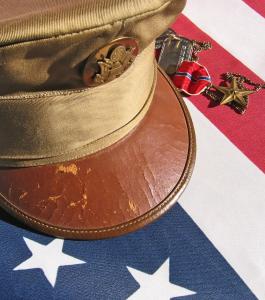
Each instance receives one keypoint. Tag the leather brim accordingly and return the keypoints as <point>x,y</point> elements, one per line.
<point>116,190</point>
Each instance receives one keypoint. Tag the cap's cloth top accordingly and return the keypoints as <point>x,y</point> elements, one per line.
<point>44,43</point>
<point>44,48</point>
<point>37,19</point>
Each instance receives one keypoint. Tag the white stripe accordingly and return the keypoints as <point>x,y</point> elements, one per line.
<point>226,198</point>
<point>235,26</point>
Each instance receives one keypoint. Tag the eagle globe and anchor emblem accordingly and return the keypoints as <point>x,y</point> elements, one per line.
<point>110,62</point>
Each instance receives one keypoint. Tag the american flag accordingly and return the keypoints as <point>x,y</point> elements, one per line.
<point>211,245</point>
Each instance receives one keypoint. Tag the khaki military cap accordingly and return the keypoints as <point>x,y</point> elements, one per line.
<point>95,141</point>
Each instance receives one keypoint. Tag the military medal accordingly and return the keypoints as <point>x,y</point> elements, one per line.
<point>191,78</point>
<point>173,51</point>
<point>178,56</point>
<point>235,94</point>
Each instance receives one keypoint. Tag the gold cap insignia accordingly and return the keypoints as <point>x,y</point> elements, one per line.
<point>110,62</point>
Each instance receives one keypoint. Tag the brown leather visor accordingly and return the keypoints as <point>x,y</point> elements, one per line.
<point>113,191</point>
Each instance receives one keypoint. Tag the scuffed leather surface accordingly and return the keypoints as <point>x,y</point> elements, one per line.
<point>112,187</point>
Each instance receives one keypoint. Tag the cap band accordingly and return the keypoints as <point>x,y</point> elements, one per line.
<point>47,127</point>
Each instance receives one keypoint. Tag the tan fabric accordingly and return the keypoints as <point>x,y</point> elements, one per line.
<point>43,49</point>
<point>57,126</point>
<point>37,19</point>
<point>61,35</point>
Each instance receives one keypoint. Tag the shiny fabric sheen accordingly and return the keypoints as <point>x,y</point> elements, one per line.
<point>28,20</point>
<point>44,44</point>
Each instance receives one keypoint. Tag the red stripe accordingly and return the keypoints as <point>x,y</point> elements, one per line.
<point>257,5</point>
<point>246,131</point>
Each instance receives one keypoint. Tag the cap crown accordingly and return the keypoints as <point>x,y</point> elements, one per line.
<point>44,44</point>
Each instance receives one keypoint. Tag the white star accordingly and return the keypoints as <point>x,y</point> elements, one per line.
<point>48,258</point>
<point>157,286</point>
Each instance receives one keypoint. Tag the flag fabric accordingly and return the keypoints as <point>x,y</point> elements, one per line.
<point>211,245</point>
